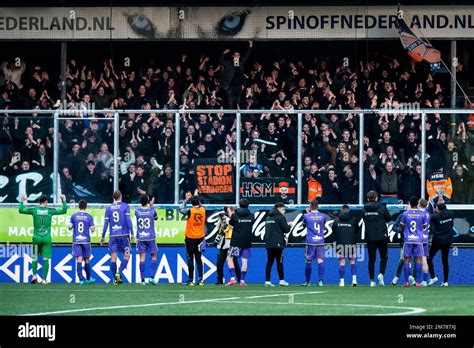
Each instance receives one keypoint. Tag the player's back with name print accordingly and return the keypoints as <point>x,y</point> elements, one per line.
<point>82,223</point>
<point>145,223</point>
<point>116,213</point>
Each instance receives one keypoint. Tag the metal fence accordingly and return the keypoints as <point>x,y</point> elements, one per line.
<point>66,114</point>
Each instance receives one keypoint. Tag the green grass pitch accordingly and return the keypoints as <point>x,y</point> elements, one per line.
<point>176,299</point>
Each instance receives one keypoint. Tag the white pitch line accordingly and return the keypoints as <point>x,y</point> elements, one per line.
<point>288,294</point>
<point>411,310</point>
<point>129,306</point>
<point>164,304</point>
<point>144,289</point>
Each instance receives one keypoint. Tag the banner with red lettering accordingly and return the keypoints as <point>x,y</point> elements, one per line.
<point>215,181</point>
<point>268,190</point>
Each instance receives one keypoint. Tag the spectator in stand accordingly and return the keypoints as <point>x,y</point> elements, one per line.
<point>331,188</point>
<point>138,185</point>
<point>410,181</point>
<point>278,84</point>
<point>43,158</point>
<point>98,93</point>
<point>90,180</point>
<point>349,187</point>
<point>126,183</point>
<point>372,179</point>
<point>163,191</point>
<point>389,184</point>
<point>460,186</point>
<point>233,75</point>
<point>439,185</point>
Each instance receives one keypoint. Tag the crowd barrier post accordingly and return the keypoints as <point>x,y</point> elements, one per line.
<point>300,158</point>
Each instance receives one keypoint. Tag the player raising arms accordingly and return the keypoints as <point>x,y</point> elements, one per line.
<point>42,242</point>
<point>146,237</point>
<point>117,215</point>
<point>314,222</point>
<point>423,205</point>
<point>413,223</point>
<point>194,241</point>
<point>82,224</point>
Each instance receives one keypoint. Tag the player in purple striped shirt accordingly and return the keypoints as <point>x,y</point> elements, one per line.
<point>413,223</point>
<point>314,221</point>
<point>117,215</point>
<point>146,236</point>
<point>82,224</point>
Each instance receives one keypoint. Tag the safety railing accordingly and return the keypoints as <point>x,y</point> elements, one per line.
<point>61,115</point>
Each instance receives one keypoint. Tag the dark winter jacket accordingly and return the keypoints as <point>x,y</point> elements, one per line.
<point>375,216</point>
<point>275,229</point>
<point>441,226</point>
<point>230,68</point>
<point>345,229</point>
<point>242,222</point>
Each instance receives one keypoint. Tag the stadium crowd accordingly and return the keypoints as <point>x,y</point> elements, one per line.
<point>392,143</point>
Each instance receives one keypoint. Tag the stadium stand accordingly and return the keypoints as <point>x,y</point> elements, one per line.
<point>392,145</point>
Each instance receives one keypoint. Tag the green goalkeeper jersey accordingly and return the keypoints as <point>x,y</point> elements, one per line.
<point>42,217</point>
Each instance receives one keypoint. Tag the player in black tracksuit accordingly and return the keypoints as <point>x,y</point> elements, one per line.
<point>241,241</point>
<point>376,216</point>
<point>345,229</point>
<point>442,225</point>
<point>275,229</point>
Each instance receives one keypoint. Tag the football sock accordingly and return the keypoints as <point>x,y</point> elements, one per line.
<point>406,271</point>
<point>321,271</point>
<point>123,265</point>
<point>232,273</point>
<point>342,270</point>
<point>114,269</point>
<point>418,272</point>
<point>307,271</point>
<point>45,269</point>
<point>79,270</point>
<point>34,265</point>
<point>242,275</point>
<point>153,268</point>
<point>87,268</point>
<point>354,269</point>
<point>142,269</point>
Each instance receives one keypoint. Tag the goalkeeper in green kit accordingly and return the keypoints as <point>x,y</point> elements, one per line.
<point>42,242</point>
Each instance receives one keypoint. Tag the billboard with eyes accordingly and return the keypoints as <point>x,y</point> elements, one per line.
<point>211,23</point>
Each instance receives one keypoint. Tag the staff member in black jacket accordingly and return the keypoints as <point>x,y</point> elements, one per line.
<point>275,229</point>
<point>345,229</point>
<point>442,224</point>
<point>241,240</point>
<point>376,216</point>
